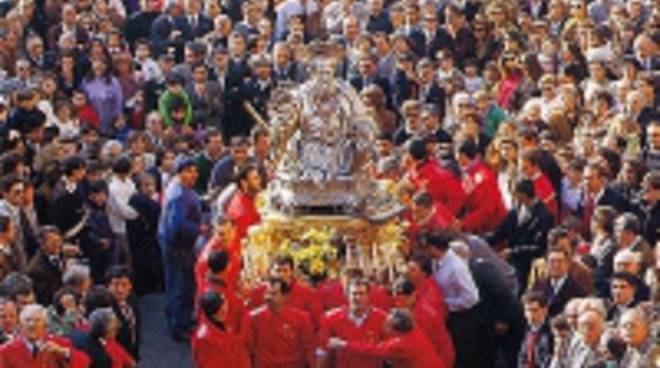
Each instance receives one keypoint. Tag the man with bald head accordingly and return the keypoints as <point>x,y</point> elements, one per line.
<point>583,353</point>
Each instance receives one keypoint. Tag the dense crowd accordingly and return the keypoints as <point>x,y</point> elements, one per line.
<point>522,138</point>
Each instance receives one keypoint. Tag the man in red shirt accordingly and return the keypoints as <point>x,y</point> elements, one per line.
<point>484,208</point>
<point>33,347</point>
<point>407,348</point>
<point>429,320</point>
<point>428,215</point>
<point>224,238</point>
<point>529,166</point>
<point>215,280</point>
<point>356,322</point>
<point>301,296</point>
<point>241,207</point>
<point>333,295</point>
<point>427,175</point>
<point>278,335</point>
<point>419,271</point>
<point>214,344</point>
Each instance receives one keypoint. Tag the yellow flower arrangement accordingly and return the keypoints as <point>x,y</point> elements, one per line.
<point>313,253</point>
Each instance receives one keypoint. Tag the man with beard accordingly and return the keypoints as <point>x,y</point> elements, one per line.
<point>241,208</point>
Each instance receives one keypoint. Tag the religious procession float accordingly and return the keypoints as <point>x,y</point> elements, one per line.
<point>323,206</point>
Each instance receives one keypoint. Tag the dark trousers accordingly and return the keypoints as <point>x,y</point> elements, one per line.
<point>464,329</point>
<point>179,286</point>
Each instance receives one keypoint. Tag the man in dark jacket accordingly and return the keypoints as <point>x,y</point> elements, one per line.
<point>560,286</point>
<point>45,268</point>
<point>68,201</point>
<point>525,229</point>
<point>537,347</point>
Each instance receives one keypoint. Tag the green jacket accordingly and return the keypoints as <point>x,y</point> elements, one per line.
<point>164,107</point>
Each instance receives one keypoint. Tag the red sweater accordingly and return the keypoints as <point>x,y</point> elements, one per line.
<point>441,184</point>
<point>412,350</point>
<point>215,348</point>
<point>281,339</point>
<point>337,323</point>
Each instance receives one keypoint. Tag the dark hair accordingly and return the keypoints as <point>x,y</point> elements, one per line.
<point>72,164</point>
<point>625,276</point>
<point>218,261</point>
<point>438,239</point>
<point>402,320</point>
<point>403,286</point>
<point>468,148</point>
<point>122,166</point>
<point>244,171</point>
<point>284,259</point>
<point>535,297</point>
<point>423,199</point>
<point>210,302</point>
<point>211,132</point>
<point>425,262</point>
<point>97,297</point>
<point>98,186</point>
<point>526,187</point>
<point>9,181</point>
<point>59,308</point>
<point>118,272</point>
<point>10,162</point>
<point>417,149</point>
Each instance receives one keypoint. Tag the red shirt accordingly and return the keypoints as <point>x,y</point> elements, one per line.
<point>412,350</point>
<point>119,356</point>
<point>441,184</point>
<point>234,268</point>
<point>431,293</point>
<point>87,115</point>
<point>440,219</point>
<point>332,296</point>
<point>546,193</point>
<point>281,339</point>
<point>301,296</point>
<point>433,325</point>
<point>242,210</point>
<point>215,348</point>
<point>484,209</point>
<point>235,306</point>
<point>15,354</point>
<point>338,323</point>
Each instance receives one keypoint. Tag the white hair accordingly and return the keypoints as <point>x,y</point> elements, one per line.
<point>31,310</point>
<point>627,255</point>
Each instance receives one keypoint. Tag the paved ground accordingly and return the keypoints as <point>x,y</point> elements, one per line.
<point>158,350</point>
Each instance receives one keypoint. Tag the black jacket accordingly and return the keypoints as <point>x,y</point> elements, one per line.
<point>46,277</point>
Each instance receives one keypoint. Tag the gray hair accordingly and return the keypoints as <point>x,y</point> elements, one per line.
<point>31,310</point>
<point>99,321</point>
<point>75,275</point>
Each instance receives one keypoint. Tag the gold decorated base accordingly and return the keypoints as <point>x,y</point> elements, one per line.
<point>375,248</point>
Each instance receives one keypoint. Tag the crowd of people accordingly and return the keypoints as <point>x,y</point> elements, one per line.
<point>521,137</point>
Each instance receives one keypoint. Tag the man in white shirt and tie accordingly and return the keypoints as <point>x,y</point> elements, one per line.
<point>461,295</point>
